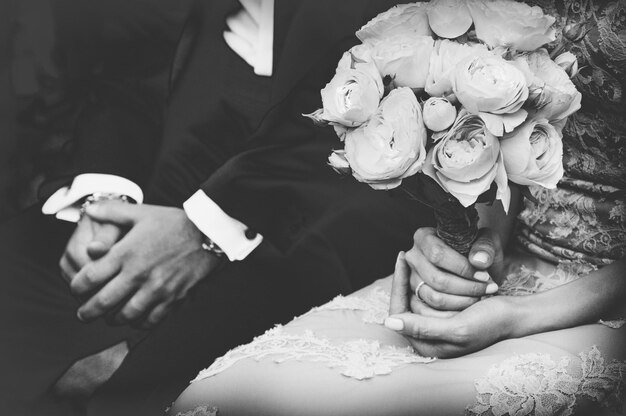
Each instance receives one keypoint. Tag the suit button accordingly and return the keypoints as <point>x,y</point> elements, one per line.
<point>250,234</point>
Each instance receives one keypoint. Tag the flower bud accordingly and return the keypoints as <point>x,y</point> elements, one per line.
<point>575,32</point>
<point>337,160</point>
<point>439,114</point>
<point>568,62</point>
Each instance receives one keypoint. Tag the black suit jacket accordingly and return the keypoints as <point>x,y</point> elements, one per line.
<point>243,140</point>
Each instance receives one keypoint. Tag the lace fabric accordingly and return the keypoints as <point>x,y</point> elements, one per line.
<point>537,384</point>
<point>584,218</point>
<point>374,306</point>
<point>200,411</point>
<point>359,358</point>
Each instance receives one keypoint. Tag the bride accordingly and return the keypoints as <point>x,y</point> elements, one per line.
<point>550,342</point>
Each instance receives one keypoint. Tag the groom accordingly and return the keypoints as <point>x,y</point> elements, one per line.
<point>244,224</point>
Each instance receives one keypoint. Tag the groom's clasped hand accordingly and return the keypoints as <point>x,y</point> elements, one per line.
<point>142,259</point>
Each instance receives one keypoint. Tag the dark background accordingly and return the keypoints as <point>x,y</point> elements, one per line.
<point>52,53</point>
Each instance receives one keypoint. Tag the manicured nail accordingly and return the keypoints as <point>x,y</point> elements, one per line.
<point>400,256</point>
<point>80,316</point>
<point>491,288</point>
<point>394,324</point>
<point>92,209</point>
<point>481,257</point>
<point>482,276</point>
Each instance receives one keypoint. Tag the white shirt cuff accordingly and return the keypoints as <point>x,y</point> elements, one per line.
<point>63,202</point>
<point>225,231</point>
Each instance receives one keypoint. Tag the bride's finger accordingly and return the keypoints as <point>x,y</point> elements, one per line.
<point>444,301</point>
<point>400,287</point>
<point>441,255</point>
<point>421,308</point>
<point>442,281</point>
<point>425,327</point>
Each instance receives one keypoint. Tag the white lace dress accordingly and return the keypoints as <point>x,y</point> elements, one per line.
<point>338,359</point>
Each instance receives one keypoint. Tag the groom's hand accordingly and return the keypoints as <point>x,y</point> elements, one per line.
<point>91,239</point>
<point>148,270</point>
<point>444,280</point>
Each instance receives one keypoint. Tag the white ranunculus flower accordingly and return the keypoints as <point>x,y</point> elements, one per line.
<point>555,95</point>
<point>391,145</point>
<point>493,88</point>
<point>467,160</point>
<point>443,59</point>
<point>511,24</point>
<point>449,18</point>
<point>439,114</point>
<point>353,95</point>
<point>399,20</point>
<point>533,154</point>
<point>404,58</point>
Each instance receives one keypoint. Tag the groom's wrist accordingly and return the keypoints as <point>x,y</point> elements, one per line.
<point>104,196</point>
<point>228,234</point>
<point>66,202</point>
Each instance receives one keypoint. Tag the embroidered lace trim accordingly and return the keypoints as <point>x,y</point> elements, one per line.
<point>200,411</point>
<point>375,305</point>
<point>534,384</point>
<point>359,358</point>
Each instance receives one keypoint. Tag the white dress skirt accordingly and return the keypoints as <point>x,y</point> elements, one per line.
<point>338,359</point>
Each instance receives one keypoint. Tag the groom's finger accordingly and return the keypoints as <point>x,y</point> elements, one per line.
<point>67,269</point>
<point>95,274</point>
<point>105,235</point>
<point>107,298</point>
<point>400,287</point>
<point>117,212</point>
<point>141,303</point>
<point>157,315</point>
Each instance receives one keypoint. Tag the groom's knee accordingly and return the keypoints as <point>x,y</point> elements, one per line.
<point>86,375</point>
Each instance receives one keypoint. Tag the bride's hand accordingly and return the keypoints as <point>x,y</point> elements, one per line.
<point>448,334</point>
<point>444,280</point>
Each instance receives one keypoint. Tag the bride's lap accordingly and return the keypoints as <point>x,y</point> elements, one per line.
<point>302,386</point>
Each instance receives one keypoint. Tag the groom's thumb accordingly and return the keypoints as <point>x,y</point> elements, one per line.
<point>117,212</point>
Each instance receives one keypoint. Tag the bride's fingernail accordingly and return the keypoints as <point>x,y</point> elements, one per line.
<point>400,256</point>
<point>491,288</point>
<point>481,257</point>
<point>394,324</point>
<point>482,276</point>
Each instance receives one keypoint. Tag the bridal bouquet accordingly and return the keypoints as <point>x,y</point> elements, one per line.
<point>458,94</point>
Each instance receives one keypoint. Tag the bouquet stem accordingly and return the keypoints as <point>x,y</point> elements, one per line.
<point>457,226</point>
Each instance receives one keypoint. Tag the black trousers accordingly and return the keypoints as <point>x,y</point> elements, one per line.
<point>40,336</point>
